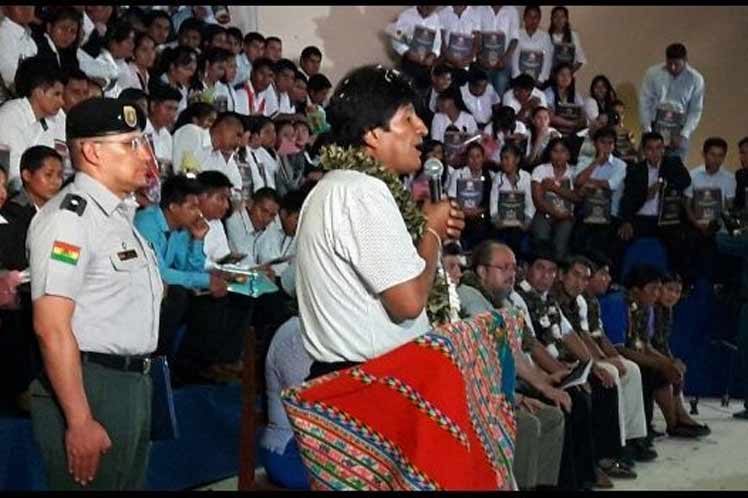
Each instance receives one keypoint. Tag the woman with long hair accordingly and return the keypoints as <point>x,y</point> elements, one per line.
<point>144,57</point>
<point>178,68</point>
<point>471,186</point>
<point>601,98</point>
<point>565,103</point>
<point>566,44</point>
<point>542,134</point>
<point>511,185</point>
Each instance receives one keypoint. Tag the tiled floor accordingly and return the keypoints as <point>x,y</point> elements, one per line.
<point>716,462</point>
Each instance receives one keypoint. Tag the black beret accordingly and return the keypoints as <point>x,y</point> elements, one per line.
<point>101,116</point>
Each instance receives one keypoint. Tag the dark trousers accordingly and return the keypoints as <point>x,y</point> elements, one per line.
<point>20,359</point>
<point>121,403</point>
<point>652,380</point>
<point>173,315</point>
<point>578,456</point>
<point>606,428</point>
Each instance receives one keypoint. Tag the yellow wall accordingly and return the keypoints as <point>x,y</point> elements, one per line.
<point>621,42</point>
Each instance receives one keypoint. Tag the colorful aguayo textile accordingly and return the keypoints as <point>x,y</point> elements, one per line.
<point>434,414</point>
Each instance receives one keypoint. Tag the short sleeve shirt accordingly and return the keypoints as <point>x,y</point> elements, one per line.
<point>352,245</point>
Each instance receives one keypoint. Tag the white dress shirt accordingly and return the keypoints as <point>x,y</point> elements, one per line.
<point>250,102</point>
<point>162,141</point>
<point>17,44</point>
<point>349,225</point>
<point>510,100</point>
<point>614,172</point>
<point>263,168</point>
<point>723,180</point>
<point>651,206</point>
<point>243,69</point>
<point>21,130</point>
<point>212,159</point>
<point>243,237</point>
<point>189,137</point>
<point>406,23</point>
<point>465,122</point>
<point>481,106</point>
<point>466,24</point>
<point>579,55</point>
<point>226,91</point>
<point>274,243</point>
<point>215,244</point>
<point>540,41</point>
<point>132,78</point>
<point>502,183</point>
<point>505,21</point>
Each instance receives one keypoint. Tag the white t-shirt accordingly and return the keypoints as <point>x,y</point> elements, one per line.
<point>465,122</point>
<point>543,171</point>
<point>722,180</point>
<point>510,100</point>
<point>481,107</point>
<point>506,21</point>
<point>501,183</point>
<point>215,244</point>
<point>352,246</point>
<point>406,23</point>
<point>540,41</point>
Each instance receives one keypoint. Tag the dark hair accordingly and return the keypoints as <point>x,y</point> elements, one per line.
<point>199,110</point>
<point>610,96</point>
<point>552,143</point>
<point>641,275</point>
<point>714,142</point>
<point>33,158</point>
<point>541,250</point>
<point>481,255</point>
<point>284,65</point>
<point>310,51</point>
<point>119,32</point>
<point>161,92</point>
<point>367,98</point>
<point>568,263</point>
<point>132,94</point>
<point>266,193</point>
<point>598,260</point>
<point>255,123</point>
<point>441,69</point>
<point>455,94</point>
<point>235,33</point>
<point>452,249</point>
<point>253,36</point>
<point>175,190</point>
<point>298,75</point>
<point>212,55</point>
<point>318,82</point>
<point>475,145</point>
<point>134,12</point>
<point>261,62</point>
<point>650,136</point>
<point>73,73</point>
<point>191,24</point>
<point>139,37</point>
<point>512,148</point>
<point>743,141</point>
<point>567,28</point>
<point>36,72</point>
<point>213,180</point>
<point>534,7</point>
<point>210,31</point>
<point>179,56</point>
<point>524,81</point>
<point>292,201</point>
<point>503,118</point>
<point>56,14</point>
<point>228,116</point>
<point>280,123</point>
<point>553,83</point>
<point>155,14</point>
<point>273,39</point>
<point>676,51</point>
<point>670,277</point>
<point>604,132</point>
<point>475,74</point>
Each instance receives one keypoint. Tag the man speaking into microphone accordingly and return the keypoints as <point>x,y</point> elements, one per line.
<point>364,272</point>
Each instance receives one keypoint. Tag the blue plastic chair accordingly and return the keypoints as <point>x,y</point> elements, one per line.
<point>614,317</point>
<point>647,250</point>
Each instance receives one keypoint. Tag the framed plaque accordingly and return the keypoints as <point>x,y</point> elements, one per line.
<point>707,204</point>
<point>563,52</point>
<point>668,122</point>
<point>492,48</point>
<point>460,47</point>
<point>624,147</point>
<point>422,42</point>
<point>511,209</point>
<point>558,202</point>
<point>569,111</point>
<point>453,142</point>
<point>597,206</point>
<point>221,103</point>
<point>531,62</point>
<point>470,193</point>
<point>669,208</point>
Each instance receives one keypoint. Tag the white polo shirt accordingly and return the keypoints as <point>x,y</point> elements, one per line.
<point>406,23</point>
<point>464,122</point>
<point>352,246</point>
<point>540,41</point>
<point>481,106</point>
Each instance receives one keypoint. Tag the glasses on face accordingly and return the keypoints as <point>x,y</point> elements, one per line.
<point>134,143</point>
<point>510,267</point>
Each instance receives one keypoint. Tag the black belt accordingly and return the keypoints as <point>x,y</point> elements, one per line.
<point>137,364</point>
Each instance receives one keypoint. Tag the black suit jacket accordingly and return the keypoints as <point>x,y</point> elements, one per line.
<point>741,180</point>
<point>636,183</point>
<point>18,211</point>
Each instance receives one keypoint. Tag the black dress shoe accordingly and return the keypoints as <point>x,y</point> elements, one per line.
<point>644,454</point>
<point>683,431</point>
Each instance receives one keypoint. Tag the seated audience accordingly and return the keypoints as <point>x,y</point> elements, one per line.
<point>277,242</point>
<point>566,45</point>
<point>58,43</point>
<point>254,48</point>
<point>310,61</point>
<point>554,197</point>
<point>285,72</point>
<point>512,208</point>
<point>16,41</point>
<point>441,79</point>
<point>478,96</point>
<point>76,88</point>
<point>158,26</point>
<point>541,135</point>
<point>299,95</point>
<point>523,97</point>
<point>565,103</point>
<point>214,202</point>
<point>143,61</point>
<point>162,114</point>
<point>505,128</point>
<point>36,117</point>
<point>180,67</point>
<point>534,53</point>
<point>191,132</point>
<point>257,95</point>
<point>207,80</point>
<point>418,54</point>
<point>262,167</point>
<point>273,48</point>
<point>245,227</point>
<point>452,112</point>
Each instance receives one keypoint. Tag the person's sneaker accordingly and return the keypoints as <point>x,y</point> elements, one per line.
<point>741,415</point>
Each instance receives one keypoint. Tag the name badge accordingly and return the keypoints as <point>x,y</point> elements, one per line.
<point>127,255</point>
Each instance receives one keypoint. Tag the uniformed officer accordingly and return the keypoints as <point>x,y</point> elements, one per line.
<point>96,291</point>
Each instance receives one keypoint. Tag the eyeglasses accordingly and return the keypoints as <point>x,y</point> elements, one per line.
<point>505,268</point>
<point>134,143</point>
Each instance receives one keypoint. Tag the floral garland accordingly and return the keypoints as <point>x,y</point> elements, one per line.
<point>443,304</point>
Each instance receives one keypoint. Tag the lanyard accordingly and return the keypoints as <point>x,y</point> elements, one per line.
<point>251,96</point>
<point>261,168</point>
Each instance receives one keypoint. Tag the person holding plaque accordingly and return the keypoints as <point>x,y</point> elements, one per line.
<point>498,40</point>
<point>601,97</point>
<point>554,196</point>
<point>470,186</point>
<point>542,134</point>
<point>534,52</point>
<point>566,45</point>
<point>678,82</point>
<point>452,112</point>
<point>418,42</point>
<point>460,27</point>
<point>480,99</point>
<point>712,192</point>
<point>642,212</point>
<point>505,128</point>
<point>600,183</point>
<point>511,203</point>
<point>566,104</point>
<point>524,98</point>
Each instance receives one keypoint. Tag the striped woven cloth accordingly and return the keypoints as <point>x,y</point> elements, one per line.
<point>433,414</point>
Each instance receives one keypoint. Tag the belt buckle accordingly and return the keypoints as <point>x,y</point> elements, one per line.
<point>146,365</point>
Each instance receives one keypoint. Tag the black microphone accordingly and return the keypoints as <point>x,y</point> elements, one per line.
<point>433,168</point>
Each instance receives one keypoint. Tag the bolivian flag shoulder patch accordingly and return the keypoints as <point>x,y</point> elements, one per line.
<point>65,253</point>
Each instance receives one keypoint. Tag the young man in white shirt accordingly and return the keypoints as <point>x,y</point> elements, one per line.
<point>534,52</point>
<point>503,19</point>
<point>36,118</point>
<point>278,241</point>
<point>254,48</point>
<point>310,61</point>
<point>257,95</point>
<point>163,102</point>
<point>524,97</point>
<point>463,20</point>
<point>351,230</point>
<point>15,40</point>
<point>214,199</point>
<point>225,137</point>
<point>417,64</point>
<point>285,76</point>
<point>478,96</point>
<point>712,191</point>
<point>248,223</point>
